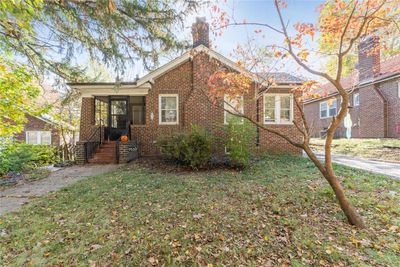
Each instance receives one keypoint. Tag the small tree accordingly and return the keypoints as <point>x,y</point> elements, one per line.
<point>341,25</point>
<point>18,92</point>
<point>239,141</point>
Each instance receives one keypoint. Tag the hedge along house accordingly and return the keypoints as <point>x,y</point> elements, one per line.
<point>171,99</point>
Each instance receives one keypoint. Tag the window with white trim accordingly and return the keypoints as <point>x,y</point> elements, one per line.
<point>278,108</point>
<point>328,108</point>
<point>356,99</point>
<point>38,137</point>
<point>168,109</point>
<point>233,105</point>
<point>398,89</point>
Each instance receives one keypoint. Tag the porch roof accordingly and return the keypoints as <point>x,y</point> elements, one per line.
<point>110,88</point>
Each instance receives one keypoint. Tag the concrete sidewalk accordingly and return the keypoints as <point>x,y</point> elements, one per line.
<point>387,168</point>
<point>12,198</point>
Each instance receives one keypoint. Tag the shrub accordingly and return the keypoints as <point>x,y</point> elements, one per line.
<point>20,156</point>
<point>240,139</point>
<point>190,149</point>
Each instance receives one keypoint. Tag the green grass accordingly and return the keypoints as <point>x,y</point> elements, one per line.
<point>279,211</point>
<point>365,148</point>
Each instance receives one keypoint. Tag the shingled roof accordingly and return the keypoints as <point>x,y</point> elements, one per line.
<point>388,68</point>
<point>280,77</point>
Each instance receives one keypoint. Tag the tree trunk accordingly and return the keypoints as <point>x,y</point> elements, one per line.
<point>327,171</point>
<point>352,215</point>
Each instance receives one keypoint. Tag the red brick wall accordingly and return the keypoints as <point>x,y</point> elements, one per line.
<point>390,90</point>
<point>87,118</point>
<point>371,114</point>
<point>35,124</point>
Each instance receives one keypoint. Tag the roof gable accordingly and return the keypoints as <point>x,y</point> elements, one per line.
<point>280,77</point>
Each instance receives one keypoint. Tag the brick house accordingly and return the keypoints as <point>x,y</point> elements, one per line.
<point>374,97</point>
<point>170,99</point>
<point>39,131</point>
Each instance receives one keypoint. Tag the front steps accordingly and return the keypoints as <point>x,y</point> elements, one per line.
<point>105,154</point>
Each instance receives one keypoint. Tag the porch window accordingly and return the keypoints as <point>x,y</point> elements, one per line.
<point>38,137</point>
<point>168,109</point>
<point>138,109</point>
<point>234,106</point>
<point>278,108</point>
<point>101,111</point>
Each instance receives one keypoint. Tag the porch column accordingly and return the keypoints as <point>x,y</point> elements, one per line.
<point>87,118</point>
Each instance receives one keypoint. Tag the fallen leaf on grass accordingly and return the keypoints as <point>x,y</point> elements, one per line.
<point>198,216</point>
<point>95,247</point>
<point>153,261</point>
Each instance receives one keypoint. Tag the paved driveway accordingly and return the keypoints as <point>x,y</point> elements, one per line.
<point>13,198</point>
<point>376,166</point>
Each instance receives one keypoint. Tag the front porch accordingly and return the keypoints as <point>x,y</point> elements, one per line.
<point>108,114</point>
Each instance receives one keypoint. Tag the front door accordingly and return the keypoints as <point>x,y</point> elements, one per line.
<point>119,122</point>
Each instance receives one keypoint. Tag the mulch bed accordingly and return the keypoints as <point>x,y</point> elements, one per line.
<point>162,165</point>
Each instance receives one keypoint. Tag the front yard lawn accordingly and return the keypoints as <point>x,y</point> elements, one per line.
<point>383,149</point>
<point>278,212</point>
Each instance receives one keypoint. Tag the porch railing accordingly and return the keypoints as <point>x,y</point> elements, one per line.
<point>94,142</point>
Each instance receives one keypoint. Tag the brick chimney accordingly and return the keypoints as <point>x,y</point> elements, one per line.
<point>200,32</point>
<point>369,58</point>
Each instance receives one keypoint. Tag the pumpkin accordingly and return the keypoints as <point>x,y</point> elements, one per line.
<point>124,138</point>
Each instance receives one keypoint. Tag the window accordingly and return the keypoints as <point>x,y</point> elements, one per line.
<point>101,111</point>
<point>168,109</point>
<point>234,106</point>
<point>356,99</point>
<point>278,108</point>
<point>328,108</point>
<point>38,137</point>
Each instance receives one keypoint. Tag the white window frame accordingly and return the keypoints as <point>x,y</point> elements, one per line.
<point>159,109</point>
<point>320,109</point>
<point>278,108</point>
<point>328,113</point>
<point>398,89</point>
<point>38,137</point>
<point>356,96</point>
<point>226,106</point>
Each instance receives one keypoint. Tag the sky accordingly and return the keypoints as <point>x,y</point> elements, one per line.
<point>260,11</point>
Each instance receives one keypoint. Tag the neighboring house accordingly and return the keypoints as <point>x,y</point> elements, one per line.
<point>171,99</point>
<point>39,131</point>
<point>374,97</point>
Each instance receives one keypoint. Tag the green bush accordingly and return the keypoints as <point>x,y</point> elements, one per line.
<point>20,156</point>
<point>240,139</point>
<point>190,149</point>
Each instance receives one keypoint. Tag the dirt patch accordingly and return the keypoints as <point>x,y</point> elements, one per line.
<point>13,198</point>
